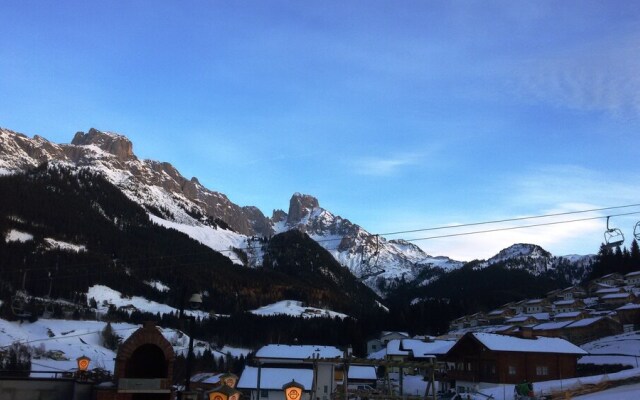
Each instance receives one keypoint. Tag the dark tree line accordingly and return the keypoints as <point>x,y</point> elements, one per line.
<point>620,259</point>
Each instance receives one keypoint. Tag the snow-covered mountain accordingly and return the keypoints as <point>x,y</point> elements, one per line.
<point>209,216</point>
<point>367,255</point>
<point>536,260</point>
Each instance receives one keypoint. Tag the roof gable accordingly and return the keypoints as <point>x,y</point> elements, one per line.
<point>497,342</point>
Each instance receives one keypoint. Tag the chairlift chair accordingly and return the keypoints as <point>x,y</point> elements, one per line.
<point>636,231</point>
<point>613,237</point>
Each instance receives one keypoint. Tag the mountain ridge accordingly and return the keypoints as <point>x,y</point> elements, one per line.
<point>208,215</point>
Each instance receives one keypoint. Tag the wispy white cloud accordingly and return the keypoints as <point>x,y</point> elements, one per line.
<point>553,189</point>
<point>598,76</point>
<point>385,166</point>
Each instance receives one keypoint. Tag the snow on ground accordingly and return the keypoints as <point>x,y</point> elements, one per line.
<point>105,296</point>
<point>415,385</point>
<point>17,236</point>
<point>159,286</point>
<point>627,392</point>
<point>57,244</point>
<point>79,338</point>
<point>220,240</point>
<point>626,346</point>
<point>296,309</point>
<point>235,351</point>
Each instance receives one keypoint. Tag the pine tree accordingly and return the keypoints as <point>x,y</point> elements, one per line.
<point>110,339</point>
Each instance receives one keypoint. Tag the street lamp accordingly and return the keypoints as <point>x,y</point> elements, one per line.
<point>83,366</point>
<point>195,302</point>
<point>293,390</point>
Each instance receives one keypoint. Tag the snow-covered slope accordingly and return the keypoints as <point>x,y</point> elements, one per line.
<point>536,260</point>
<point>368,256</point>
<point>56,343</point>
<point>296,309</point>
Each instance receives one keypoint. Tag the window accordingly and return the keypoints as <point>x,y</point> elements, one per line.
<point>512,370</point>
<point>264,393</point>
<point>542,370</point>
<point>326,389</point>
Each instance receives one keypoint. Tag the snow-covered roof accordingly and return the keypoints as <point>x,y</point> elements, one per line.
<point>551,325</point>
<point>570,314</point>
<point>421,349</point>
<point>274,378</point>
<point>534,301</point>
<point>387,333</point>
<point>378,355</point>
<point>584,322</point>
<point>564,302</point>
<point>629,306</point>
<point>608,290</point>
<point>362,372</point>
<point>393,348</point>
<point>537,345</point>
<point>520,318</point>
<point>206,377</point>
<point>630,274</point>
<point>616,296</point>
<point>298,352</point>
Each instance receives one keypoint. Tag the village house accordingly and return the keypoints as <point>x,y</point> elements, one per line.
<point>608,290</point>
<point>617,299</point>
<point>563,306</point>
<point>500,315</point>
<point>588,329</point>
<point>535,306</point>
<point>632,278</point>
<point>614,279</point>
<point>629,316</point>
<point>311,366</point>
<point>523,320</point>
<point>571,315</point>
<point>573,292</point>
<point>379,343</point>
<point>268,383</point>
<point>519,307</point>
<point>484,358</point>
<point>358,375</point>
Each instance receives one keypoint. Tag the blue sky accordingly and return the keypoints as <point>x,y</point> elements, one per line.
<point>397,115</point>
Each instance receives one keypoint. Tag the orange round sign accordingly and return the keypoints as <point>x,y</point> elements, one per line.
<point>293,393</point>
<point>83,364</point>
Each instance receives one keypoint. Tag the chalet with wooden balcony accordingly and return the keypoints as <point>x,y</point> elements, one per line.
<point>481,358</point>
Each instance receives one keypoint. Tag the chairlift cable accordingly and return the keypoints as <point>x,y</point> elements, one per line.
<point>384,234</point>
<point>515,227</point>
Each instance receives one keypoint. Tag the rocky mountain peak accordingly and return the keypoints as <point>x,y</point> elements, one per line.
<point>300,206</point>
<point>278,216</point>
<point>118,145</point>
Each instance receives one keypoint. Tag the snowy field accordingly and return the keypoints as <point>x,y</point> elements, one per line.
<point>296,309</point>
<point>72,339</point>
